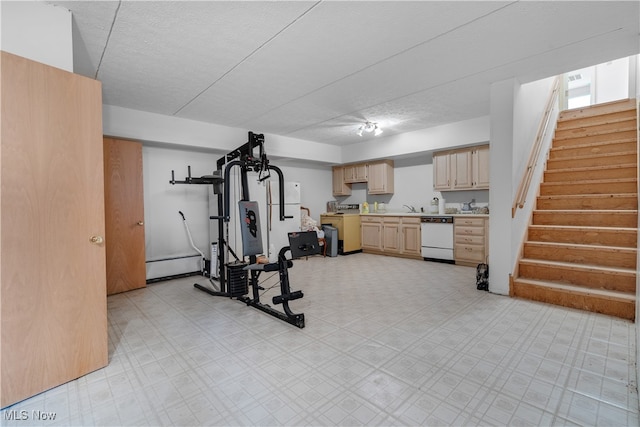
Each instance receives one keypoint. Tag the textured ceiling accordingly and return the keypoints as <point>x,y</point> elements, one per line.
<point>316,70</point>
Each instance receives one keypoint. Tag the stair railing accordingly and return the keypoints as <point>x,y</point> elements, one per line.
<point>534,155</point>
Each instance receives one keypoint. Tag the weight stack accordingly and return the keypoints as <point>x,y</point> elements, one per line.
<point>237,279</point>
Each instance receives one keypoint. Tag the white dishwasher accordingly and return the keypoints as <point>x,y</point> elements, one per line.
<point>437,238</point>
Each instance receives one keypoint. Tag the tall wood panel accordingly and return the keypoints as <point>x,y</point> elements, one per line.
<point>124,211</point>
<point>53,311</point>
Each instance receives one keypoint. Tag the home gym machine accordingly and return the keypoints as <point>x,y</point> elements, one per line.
<point>235,277</point>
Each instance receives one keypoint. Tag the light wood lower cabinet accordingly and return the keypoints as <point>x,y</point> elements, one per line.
<point>391,235</point>
<point>371,233</point>
<point>470,240</point>
<point>411,237</point>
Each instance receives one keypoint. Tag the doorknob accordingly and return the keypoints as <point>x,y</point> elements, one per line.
<point>98,240</point>
<point>140,222</point>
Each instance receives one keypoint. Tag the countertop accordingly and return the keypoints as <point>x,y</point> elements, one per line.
<point>416,214</point>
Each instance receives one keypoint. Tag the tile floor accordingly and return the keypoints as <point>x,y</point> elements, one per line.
<point>387,341</point>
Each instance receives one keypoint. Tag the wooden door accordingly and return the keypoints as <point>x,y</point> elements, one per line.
<point>52,274</point>
<point>124,213</point>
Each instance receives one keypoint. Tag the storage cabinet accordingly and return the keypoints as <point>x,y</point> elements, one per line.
<point>377,175</point>
<point>461,172</point>
<point>464,169</point>
<point>355,173</point>
<point>391,235</point>
<point>470,240</point>
<point>340,188</point>
<point>441,174</point>
<point>348,226</point>
<point>371,233</point>
<point>411,237</point>
<point>380,177</point>
<point>480,167</point>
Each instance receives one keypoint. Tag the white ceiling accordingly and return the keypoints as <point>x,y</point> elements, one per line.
<point>316,70</point>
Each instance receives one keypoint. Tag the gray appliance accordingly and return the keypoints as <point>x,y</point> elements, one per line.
<point>331,236</point>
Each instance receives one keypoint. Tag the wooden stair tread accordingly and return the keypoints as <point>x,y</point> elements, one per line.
<point>583,228</point>
<point>583,246</point>
<point>616,106</point>
<point>592,168</point>
<point>592,144</point>
<point>596,133</point>
<point>589,211</point>
<point>590,265</point>
<point>591,155</point>
<point>593,121</point>
<point>592,181</point>
<point>583,196</point>
<point>574,266</point>
<point>625,296</point>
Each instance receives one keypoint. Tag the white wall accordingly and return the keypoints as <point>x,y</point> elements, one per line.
<point>37,31</point>
<point>500,196</point>
<point>178,132</point>
<point>413,186</point>
<point>529,108</point>
<point>612,81</point>
<point>516,113</point>
<point>468,132</point>
<point>165,234</point>
<point>315,184</point>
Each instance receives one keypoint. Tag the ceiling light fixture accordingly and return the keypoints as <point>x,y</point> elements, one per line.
<point>369,127</point>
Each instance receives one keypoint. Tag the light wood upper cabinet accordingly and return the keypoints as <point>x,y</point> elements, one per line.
<point>380,177</point>
<point>377,175</point>
<point>464,169</point>
<point>480,167</point>
<point>461,170</point>
<point>355,173</point>
<point>441,174</point>
<point>340,188</point>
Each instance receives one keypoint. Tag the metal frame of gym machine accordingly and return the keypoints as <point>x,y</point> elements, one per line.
<point>245,158</point>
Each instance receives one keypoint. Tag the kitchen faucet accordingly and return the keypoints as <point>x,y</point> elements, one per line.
<point>411,208</point>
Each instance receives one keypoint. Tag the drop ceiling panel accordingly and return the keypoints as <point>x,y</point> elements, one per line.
<point>331,41</point>
<point>480,48</point>
<point>314,70</point>
<point>163,56</point>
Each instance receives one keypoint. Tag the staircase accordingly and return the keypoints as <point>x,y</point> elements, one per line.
<point>581,247</point>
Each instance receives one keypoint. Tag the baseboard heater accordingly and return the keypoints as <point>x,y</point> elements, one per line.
<point>168,268</point>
